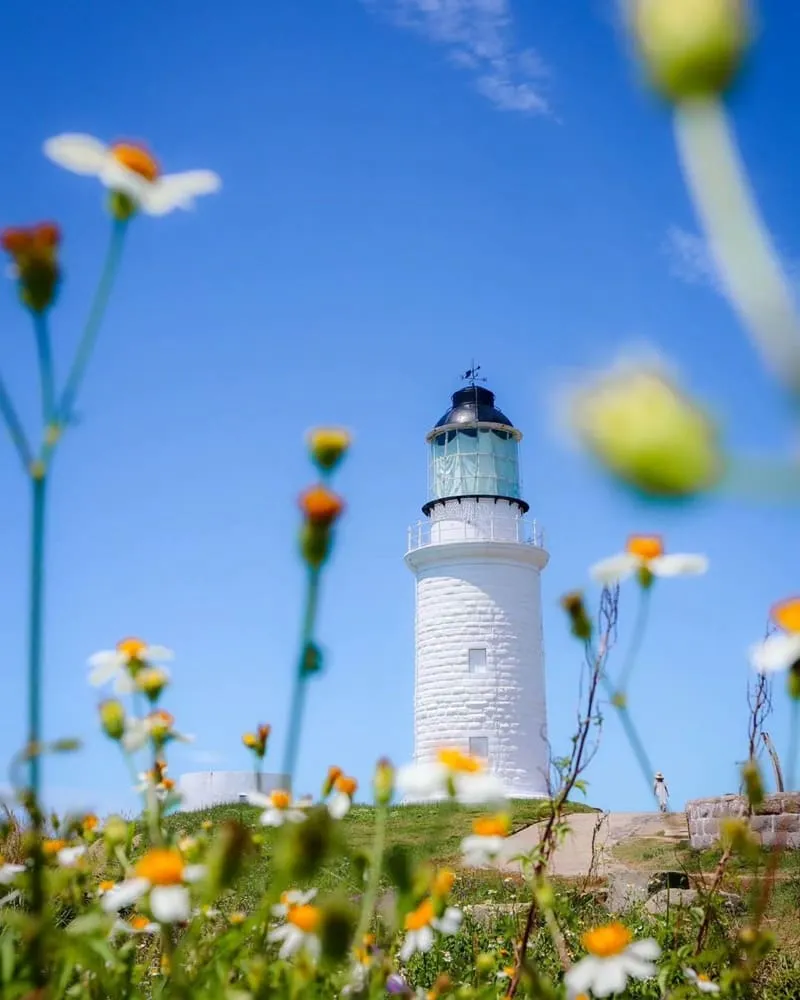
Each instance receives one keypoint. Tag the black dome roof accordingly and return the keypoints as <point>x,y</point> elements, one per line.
<point>473,403</point>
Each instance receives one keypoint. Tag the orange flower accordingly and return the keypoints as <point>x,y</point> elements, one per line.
<point>161,866</point>
<point>321,506</point>
<point>137,158</point>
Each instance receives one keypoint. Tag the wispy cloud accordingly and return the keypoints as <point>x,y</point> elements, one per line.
<point>479,37</point>
<point>690,260</point>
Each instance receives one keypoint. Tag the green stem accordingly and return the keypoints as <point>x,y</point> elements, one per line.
<point>92,328</point>
<point>375,866</point>
<point>35,636</point>
<point>636,639</point>
<point>630,731</point>
<point>46,376</point>
<point>738,239</point>
<point>15,429</point>
<point>301,676</point>
<point>794,739</point>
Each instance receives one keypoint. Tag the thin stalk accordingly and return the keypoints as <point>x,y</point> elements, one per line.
<point>96,312</point>
<point>15,429</point>
<point>738,239</point>
<point>637,638</point>
<point>375,865</point>
<point>35,637</point>
<point>630,731</point>
<point>301,676</point>
<point>794,740</point>
<point>45,357</point>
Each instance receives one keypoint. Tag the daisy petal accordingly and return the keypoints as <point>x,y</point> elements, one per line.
<point>609,978</point>
<point>259,799</point>
<point>170,903</point>
<point>339,805</point>
<point>614,569</point>
<point>580,977</point>
<point>678,564</point>
<point>776,652</point>
<point>421,779</point>
<point>425,939</point>
<point>194,873</point>
<point>476,789</point>
<point>648,949</point>
<point>124,894</point>
<point>82,154</point>
<point>158,653</point>
<point>178,191</point>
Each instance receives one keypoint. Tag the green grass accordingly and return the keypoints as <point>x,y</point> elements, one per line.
<point>656,854</point>
<point>431,833</point>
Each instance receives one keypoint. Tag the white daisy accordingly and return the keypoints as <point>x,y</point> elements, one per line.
<point>781,650</point>
<point>645,554</point>
<point>421,925</point>
<point>277,806</point>
<point>614,957</point>
<point>131,169</point>
<point>138,924</point>
<point>157,727</point>
<point>120,664</point>
<point>68,857</point>
<point>486,840</point>
<point>162,876</point>
<point>299,932</point>
<point>341,800</point>
<point>452,773</point>
<point>701,981</point>
<point>9,872</point>
<point>293,897</point>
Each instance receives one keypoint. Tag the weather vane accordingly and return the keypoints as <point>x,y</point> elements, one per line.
<point>471,375</point>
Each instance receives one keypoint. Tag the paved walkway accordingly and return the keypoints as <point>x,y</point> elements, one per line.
<point>573,857</point>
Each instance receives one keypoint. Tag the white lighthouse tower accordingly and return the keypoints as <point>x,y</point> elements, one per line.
<point>479,663</point>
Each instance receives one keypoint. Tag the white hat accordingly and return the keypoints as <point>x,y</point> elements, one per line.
<point>659,776</point>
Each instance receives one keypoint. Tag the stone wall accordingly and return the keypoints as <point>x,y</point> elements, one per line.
<point>777,819</point>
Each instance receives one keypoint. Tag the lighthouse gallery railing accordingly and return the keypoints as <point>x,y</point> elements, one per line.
<point>485,528</point>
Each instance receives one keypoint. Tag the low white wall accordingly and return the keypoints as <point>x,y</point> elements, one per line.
<point>201,789</point>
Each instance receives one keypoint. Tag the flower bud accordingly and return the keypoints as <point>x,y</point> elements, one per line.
<point>397,862</point>
<point>793,681</point>
<point>334,773</point>
<point>112,718</point>
<point>573,604</point>
<point>691,48</point>
<point>328,446</point>
<point>228,854</point>
<point>34,250</point>
<point>484,963</point>
<point>754,786</point>
<point>151,681</point>
<point>337,926</point>
<point>637,423</point>
<point>443,882</point>
<point>305,848</point>
<point>312,659</point>
<point>383,783</point>
<point>116,831</point>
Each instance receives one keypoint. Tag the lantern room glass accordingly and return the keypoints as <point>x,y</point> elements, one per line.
<point>475,461</point>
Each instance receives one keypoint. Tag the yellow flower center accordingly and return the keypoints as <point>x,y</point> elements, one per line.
<point>510,970</point>
<point>250,740</point>
<point>280,799</point>
<point>443,882</point>
<point>787,614</point>
<point>607,941</point>
<point>51,847</point>
<point>645,547</point>
<point>106,885</point>
<point>456,760</point>
<point>346,785</point>
<point>236,918</point>
<point>138,922</point>
<point>90,822</point>
<point>492,826</point>
<point>305,917</point>
<point>161,866</point>
<point>137,159</point>
<point>131,648</point>
<point>703,978</point>
<point>420,917</point>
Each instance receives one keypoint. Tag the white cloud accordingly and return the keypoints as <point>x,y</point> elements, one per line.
<point>479,37</point>
<point>691,260</point>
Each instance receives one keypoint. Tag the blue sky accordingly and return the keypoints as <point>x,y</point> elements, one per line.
<point>400,195</point>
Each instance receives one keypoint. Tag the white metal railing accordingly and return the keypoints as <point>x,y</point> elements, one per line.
<point>485,528</point>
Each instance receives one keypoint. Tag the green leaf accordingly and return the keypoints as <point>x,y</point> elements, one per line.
<point>7,958</point>
<point>87,924</point>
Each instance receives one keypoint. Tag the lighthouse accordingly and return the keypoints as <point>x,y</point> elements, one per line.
<point>479,682</point>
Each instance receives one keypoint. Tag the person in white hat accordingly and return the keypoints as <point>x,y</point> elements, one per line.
<point>661,791</point>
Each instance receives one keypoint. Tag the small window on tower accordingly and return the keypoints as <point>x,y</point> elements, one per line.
<point>477,660</point>
<point>479,747</point>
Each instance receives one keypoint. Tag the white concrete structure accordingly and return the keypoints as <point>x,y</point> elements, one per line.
<point>479,664</point>
<point>201,789</point>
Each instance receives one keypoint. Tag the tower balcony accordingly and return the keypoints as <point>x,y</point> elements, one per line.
<point>484,523</point>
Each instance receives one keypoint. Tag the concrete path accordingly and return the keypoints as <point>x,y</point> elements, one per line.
<point>573,857</point>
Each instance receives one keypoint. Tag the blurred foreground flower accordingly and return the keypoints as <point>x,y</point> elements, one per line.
<point>691,48</point>
<point>328,446</point>
<point>344,788</point>
<point>421,924</point>
<point>34,250</point>
<point>637,423</point>
<point>130,170</point>
<point>701,981</point>
<point>781,650</point>
<point>644,555</point>
<point>122,664</point>
<point>614,957</point>
<point>162,876</point>
<point>300,932</point>
<point>454,774</point>
<point>278,808</point>
<point>486,840</point>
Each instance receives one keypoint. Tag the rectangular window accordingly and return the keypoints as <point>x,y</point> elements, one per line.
<point>479,747</point>
<point>477,660</point>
